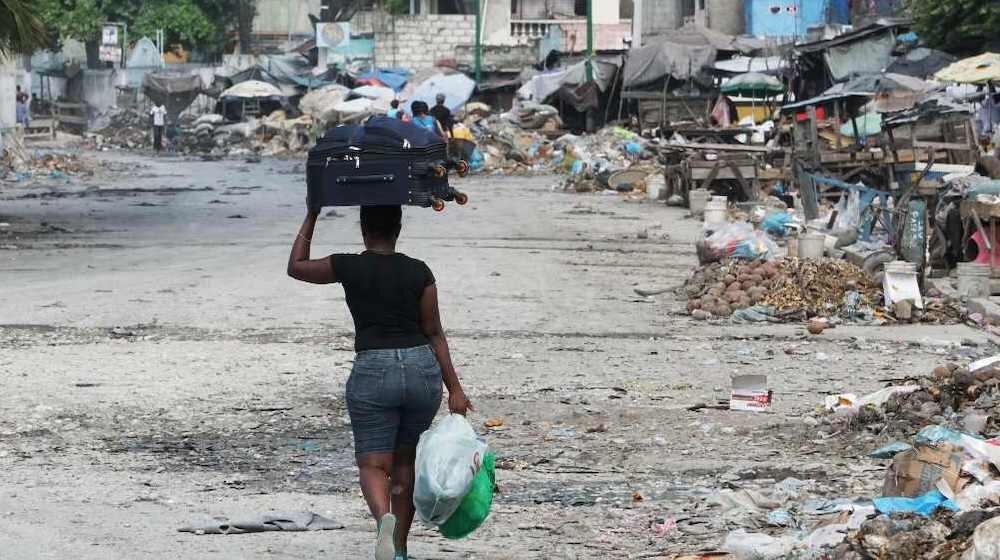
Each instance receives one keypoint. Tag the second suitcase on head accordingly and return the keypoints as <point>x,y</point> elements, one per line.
<point>385,161</point>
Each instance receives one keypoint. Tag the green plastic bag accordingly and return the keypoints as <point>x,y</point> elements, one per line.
<point>475,506</point>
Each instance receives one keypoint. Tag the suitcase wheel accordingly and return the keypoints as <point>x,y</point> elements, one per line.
<point>437,204</point>
<point>462,167</point>
<point>461,198</point>
<point>440,171</point>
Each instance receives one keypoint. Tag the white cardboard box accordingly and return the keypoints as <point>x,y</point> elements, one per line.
<point>750,392</point>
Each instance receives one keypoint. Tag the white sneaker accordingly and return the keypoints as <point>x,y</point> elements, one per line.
<point>385,546</point>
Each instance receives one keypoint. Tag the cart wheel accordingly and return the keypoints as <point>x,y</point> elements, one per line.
<point>437,204</point>
<point>462,167</point>
<point>440,171</point>
<point>461,198</point>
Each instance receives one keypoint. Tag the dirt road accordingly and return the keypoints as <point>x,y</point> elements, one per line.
<point>158,367</point>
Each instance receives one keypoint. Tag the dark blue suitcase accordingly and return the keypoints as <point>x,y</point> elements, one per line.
<point>383,162</point>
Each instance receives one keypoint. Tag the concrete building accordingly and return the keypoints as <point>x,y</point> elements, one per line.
<point>515,33</point>
<point>659,17</point>
<point>791,19</point>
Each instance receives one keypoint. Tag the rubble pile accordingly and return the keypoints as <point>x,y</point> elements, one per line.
<point>941,492</point>
<point>126,129</point>
<point>782,289</point>
<point>272,135</point>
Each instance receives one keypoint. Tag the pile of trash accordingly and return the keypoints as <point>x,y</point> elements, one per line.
<point>941,491</point>
<point>209,135</point>
<point>780,289</point>
<point>127,129</point>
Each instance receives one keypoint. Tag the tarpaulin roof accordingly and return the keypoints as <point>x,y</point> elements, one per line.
<point>174,91</point>
<point>753,84</point>
<point>541,86</point>
<point>253,89</point>
<point>394,78</point>
<point>457,88</point>
<point>976,70</point>
<point>765,64</point>
<point>682,54</point>
<point>873,84</point>
<point>921,62</point>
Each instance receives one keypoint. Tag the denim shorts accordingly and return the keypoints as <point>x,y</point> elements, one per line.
<point>392,397</point>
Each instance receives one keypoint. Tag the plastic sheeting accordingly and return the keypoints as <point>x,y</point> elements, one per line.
<point>541,87</point>
<point>867,56</point>
<point>174,91</point>
<point>457,88</point>
<point>666,58</point>
<point>921,63</point>
<point>394,79</point>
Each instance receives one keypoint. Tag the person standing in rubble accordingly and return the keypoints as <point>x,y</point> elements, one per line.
<point>443,116</point>
<point>394,111</point>
<point>423,119</point>
<point>395,387</point>
<point>21,101</point>
<point>159,113</point>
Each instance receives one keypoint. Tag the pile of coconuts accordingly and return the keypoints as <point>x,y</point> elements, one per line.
<point>721,288</point>
<point>795,288</point>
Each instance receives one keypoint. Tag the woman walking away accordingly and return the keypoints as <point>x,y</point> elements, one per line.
<point>394,389</point>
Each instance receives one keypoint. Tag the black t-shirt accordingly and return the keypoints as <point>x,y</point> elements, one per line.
<point>443,116</point>
<point>383,294</point>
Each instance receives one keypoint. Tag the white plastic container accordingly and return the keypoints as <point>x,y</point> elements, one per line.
<point>973,280</point>
<point>900,283</point>
<point>697,199</point>
<point>716,212</point>
<point>655,185</point>
<point>811,245</point>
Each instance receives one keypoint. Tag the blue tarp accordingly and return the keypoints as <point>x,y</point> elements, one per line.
<point>394,78</point>
<point>921,505</point>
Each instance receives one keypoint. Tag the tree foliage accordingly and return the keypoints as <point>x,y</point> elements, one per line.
<point>202,24</point>
<point>959,26</point>
<point>21,28</point>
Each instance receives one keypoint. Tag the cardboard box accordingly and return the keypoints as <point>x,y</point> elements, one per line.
<point>750,392</point>
<point>918,471</point>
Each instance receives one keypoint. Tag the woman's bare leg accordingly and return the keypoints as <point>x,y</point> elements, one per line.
<point>374,473</point>
<point>401,493</point>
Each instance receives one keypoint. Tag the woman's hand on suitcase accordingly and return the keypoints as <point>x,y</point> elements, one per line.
<point>458,403</point>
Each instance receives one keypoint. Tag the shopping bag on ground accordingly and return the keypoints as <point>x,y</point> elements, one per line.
<point>475,506</point>
<point>449,456</point>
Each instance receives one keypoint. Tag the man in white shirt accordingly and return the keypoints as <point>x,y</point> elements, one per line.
<point>159,113</point>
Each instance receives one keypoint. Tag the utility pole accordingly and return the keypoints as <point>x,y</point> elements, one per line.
<point>590,40</point>
<point>479,41</point>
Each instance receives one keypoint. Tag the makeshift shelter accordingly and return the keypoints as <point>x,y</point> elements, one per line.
<point>821,64</point>
<point>251,98</point>
<point>759,88</point>
<point>391,78</point>
<point>669,78</point>
<point>321,103</point>
<point>176,92</point>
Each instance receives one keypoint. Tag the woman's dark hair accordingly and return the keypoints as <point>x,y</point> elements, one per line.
<point>394,104</point>
<point>419,108</point>
<point>382,222</point>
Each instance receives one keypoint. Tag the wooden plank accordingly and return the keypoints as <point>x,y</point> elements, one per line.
<point>958,146</point>
<point>724,172</point>
<point>725,147</point>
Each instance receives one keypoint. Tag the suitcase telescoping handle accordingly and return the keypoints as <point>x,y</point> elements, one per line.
<point>345,179</point>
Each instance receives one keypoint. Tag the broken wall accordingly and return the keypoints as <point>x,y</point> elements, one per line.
<point>417,42</point>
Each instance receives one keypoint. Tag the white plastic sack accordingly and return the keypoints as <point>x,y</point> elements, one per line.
<point>448,457</point>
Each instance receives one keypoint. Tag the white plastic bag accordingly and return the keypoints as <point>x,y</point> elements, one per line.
<point>448,457</point>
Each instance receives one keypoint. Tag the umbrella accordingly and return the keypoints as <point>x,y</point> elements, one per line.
<point>251,89</point>
<point>457,88</point>
<point>976,70</point>
<point>753,84</point>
